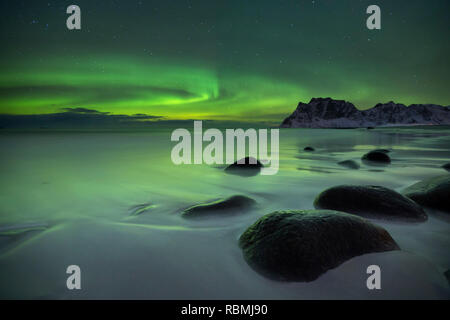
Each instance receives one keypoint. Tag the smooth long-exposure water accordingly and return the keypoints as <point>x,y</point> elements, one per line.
<point>110,202</point>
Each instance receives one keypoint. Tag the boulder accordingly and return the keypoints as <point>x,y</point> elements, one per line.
<point>301,245</point>
<point>446,166</point>
<point>370,201</point>
<point>349,164</point>
<point>309,149</point>
<point>433,193</point>
<point>376,157</point>
<point>232,205</point>
<point>249,167</point>
<point>381,150</point>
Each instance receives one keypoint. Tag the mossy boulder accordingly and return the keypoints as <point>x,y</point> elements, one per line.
<point>233,205</point>
<point>301,245</point>
<point>371,202</point>
<point>433,193</point>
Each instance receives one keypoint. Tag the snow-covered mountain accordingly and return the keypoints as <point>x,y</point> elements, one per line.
<point>330,113</point>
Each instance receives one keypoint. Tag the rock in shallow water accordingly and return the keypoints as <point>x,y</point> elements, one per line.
<point>141,209</point>
<point>232,205</point>
<point>446,166</point>
<point>376,157</point>
<point>309,149</point>
<point>370,201</point>
<point>381,150</point>
<point>249,167</point>
<point>303,244</point>
<point>349,164</point>
<point>433,193</point>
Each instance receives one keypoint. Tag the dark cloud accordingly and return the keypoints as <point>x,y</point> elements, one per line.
<point>80,118</point>
<point>83,110</point>
<point>76,118</point>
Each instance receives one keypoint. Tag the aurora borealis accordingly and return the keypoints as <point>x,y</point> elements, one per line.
<point>220,60</point>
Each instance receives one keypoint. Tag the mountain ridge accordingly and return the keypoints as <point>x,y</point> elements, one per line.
<point>331,113</point>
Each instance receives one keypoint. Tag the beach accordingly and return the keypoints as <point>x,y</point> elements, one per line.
<point>111,203</point>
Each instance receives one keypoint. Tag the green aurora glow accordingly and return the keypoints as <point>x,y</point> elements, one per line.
<point>245,64</point>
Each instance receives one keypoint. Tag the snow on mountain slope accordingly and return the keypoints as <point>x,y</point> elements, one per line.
<point>330,113</point>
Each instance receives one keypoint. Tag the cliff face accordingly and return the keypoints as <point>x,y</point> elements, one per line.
<point>329,113</point>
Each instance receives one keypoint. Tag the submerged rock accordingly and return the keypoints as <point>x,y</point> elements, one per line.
<point>301,245</point>
<point>433,193</point>
<point>446,166</point>
<point>349,164</point>
<point>141,208</point>
<point>13,235</point>
<point>370,201</point>
<point>249,167</point>
<point>232,205</point>
<point>376,157</point>
<point>309,149</point>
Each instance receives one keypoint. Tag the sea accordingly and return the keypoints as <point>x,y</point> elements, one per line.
<point>110,202</point>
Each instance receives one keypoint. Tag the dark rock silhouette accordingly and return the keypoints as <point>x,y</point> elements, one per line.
<point>302,245</point>
<point>351,164</point>
<point>433,193</point>
<point>447,275</point>
<point>376,157</point>
<point>232,205</point>
<point>446,166</point>
<point>330,113</point>
<point>370,201</point>
<point>381,150</point>
<point>249,167</point>
<point>308,149</point>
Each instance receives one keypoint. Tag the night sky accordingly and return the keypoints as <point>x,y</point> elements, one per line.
<point>221,60</point>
